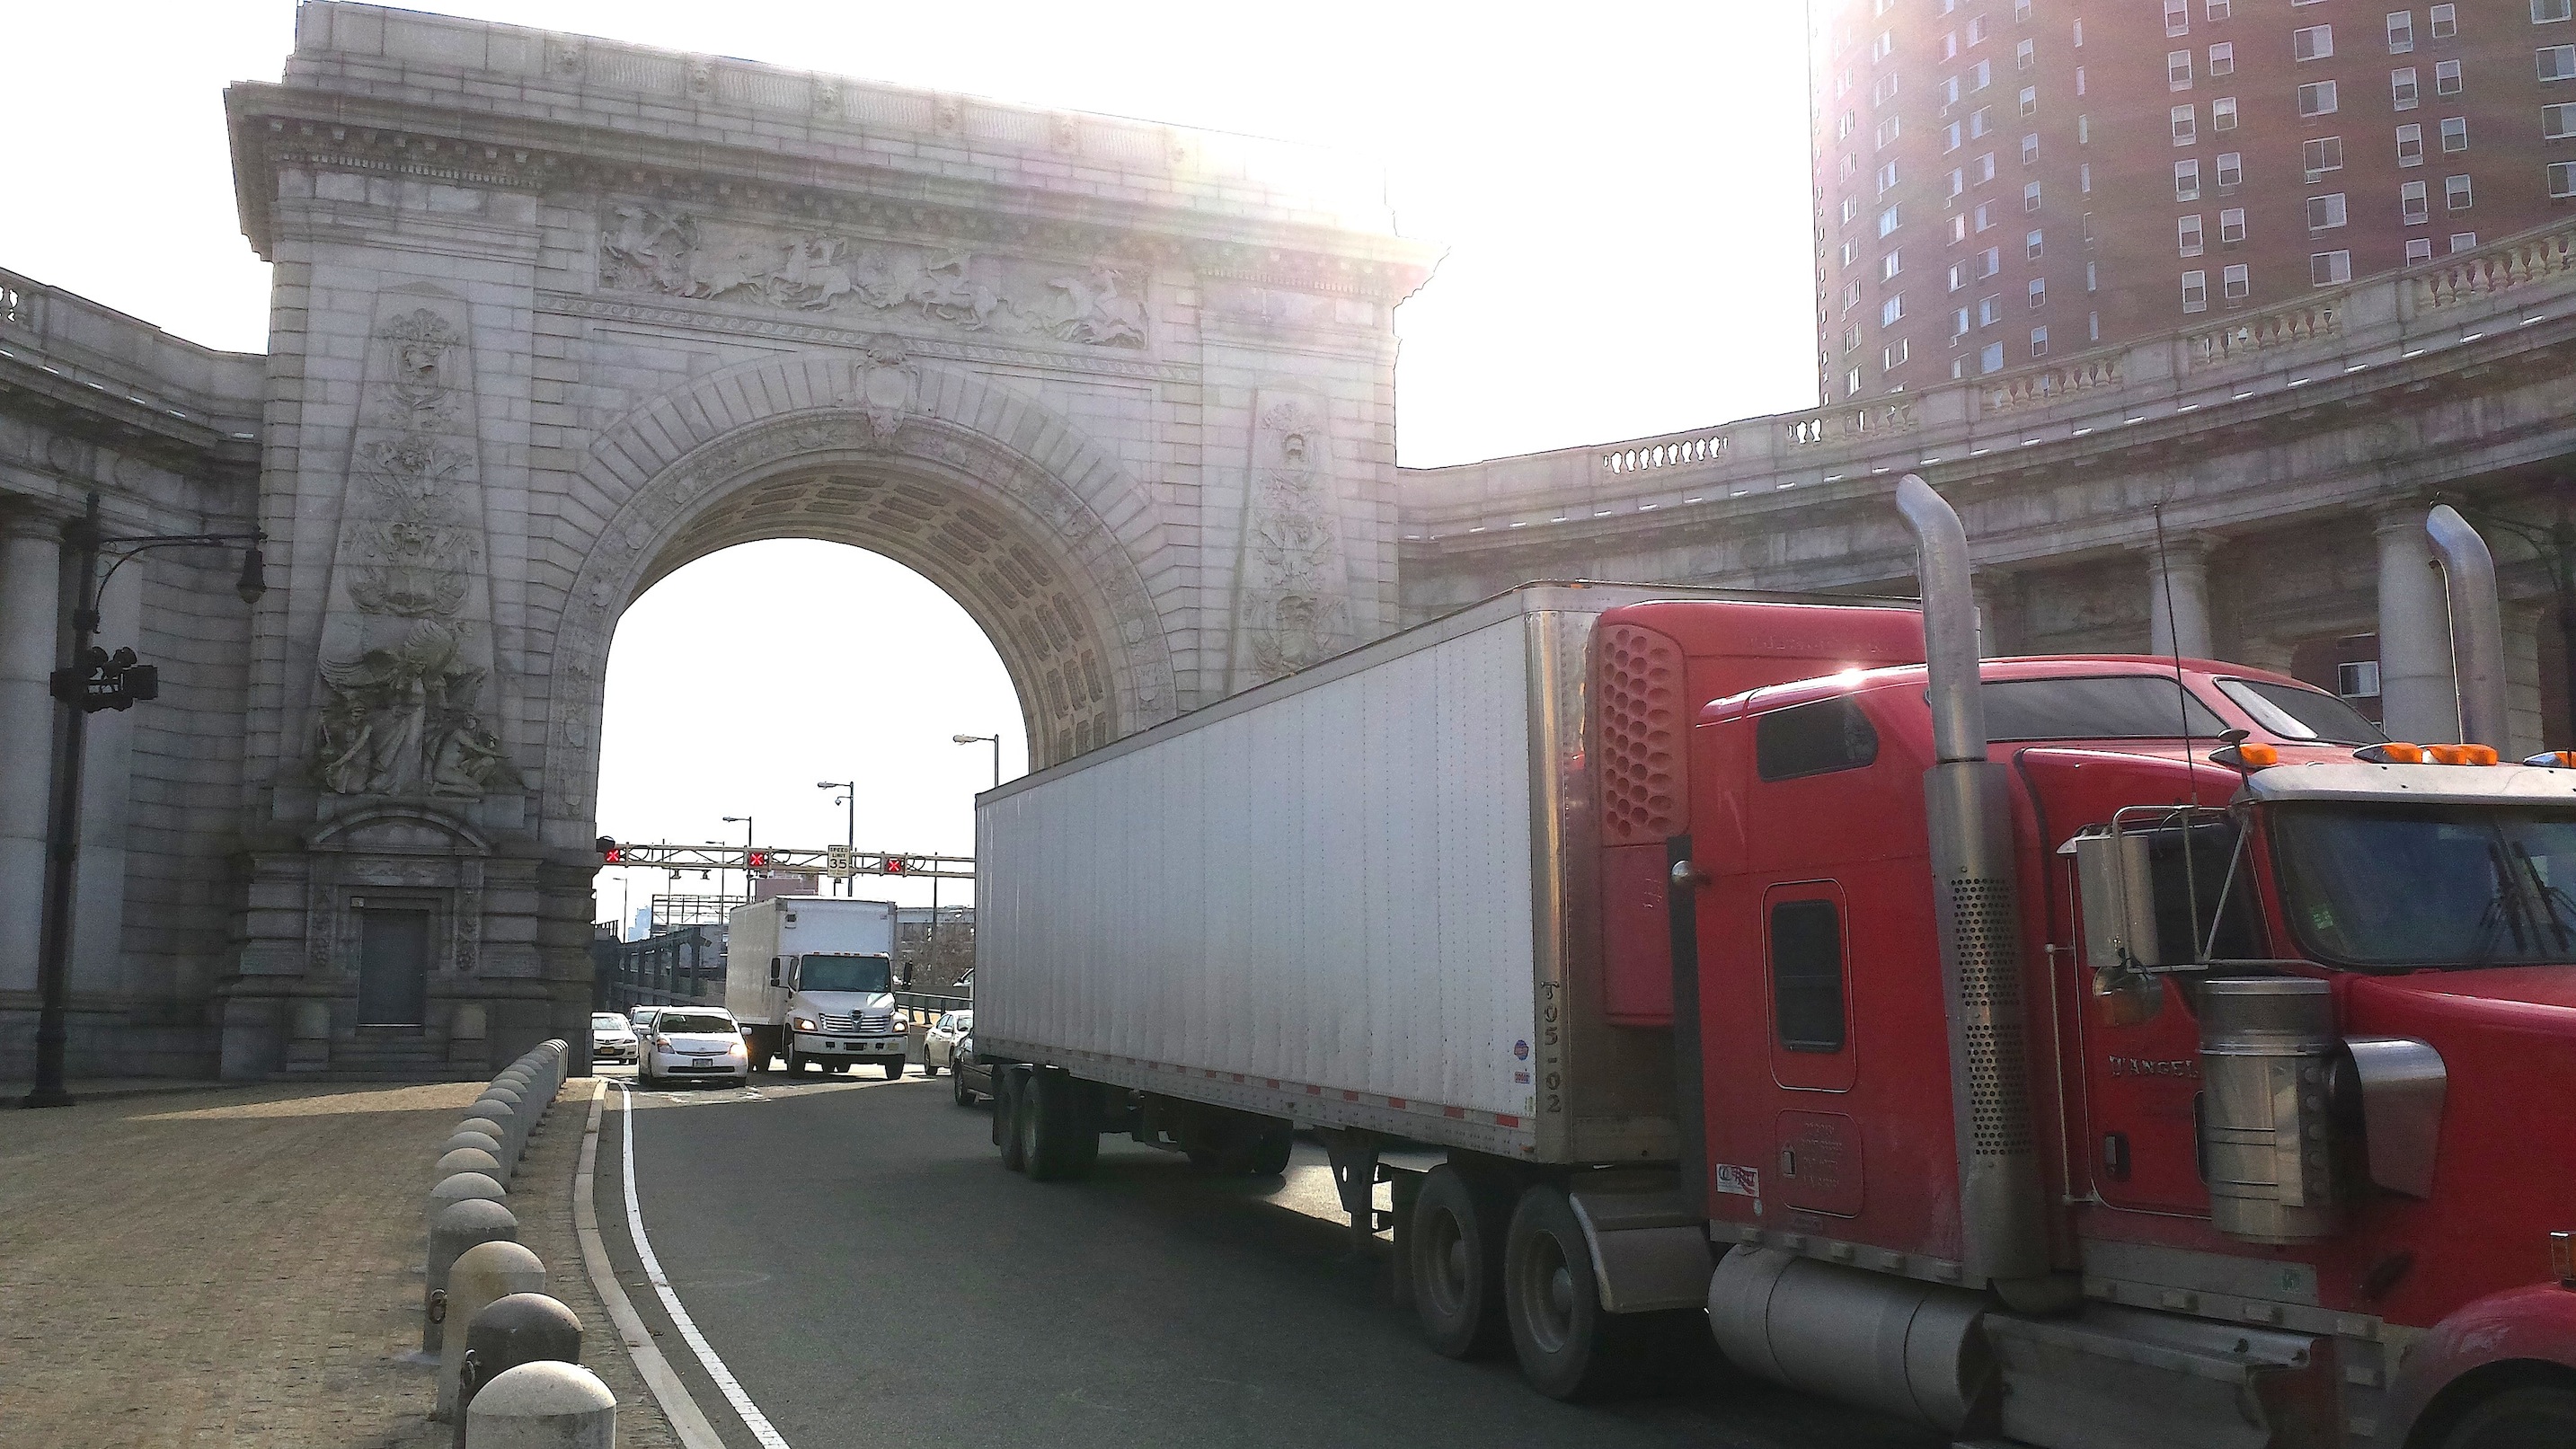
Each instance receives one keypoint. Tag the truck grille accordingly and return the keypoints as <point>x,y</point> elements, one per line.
<point>865,1023</point>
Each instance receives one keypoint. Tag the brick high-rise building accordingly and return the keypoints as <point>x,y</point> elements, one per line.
<point>1999,181</point>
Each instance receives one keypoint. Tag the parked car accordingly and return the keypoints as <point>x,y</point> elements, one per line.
<point>694,1043</point>
<point>939,1044</point>
<point>968,1076</point>
<point>611,1039</point>
<point>642,1017</point>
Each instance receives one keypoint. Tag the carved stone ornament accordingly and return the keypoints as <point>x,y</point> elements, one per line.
<point>884,388</point>
<point>1292,589</point>
<point>406,637</point>
<point>674,254</point>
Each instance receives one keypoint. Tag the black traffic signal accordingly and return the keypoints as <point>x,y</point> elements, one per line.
<point>896,865</point>
<point>756,859</point>
<point>610,852</point>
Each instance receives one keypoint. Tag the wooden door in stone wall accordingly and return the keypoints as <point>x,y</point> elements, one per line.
<point>393,968</point>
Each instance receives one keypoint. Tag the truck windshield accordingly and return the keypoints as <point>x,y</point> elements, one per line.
<point>2403,887</point>
<point>845,973</point>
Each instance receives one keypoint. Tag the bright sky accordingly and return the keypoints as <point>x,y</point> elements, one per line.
<point>1621,187</point>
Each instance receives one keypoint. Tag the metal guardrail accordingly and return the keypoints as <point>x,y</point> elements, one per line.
<point>924,1006</point>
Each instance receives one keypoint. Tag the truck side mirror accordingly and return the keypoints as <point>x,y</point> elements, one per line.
<point>2116,878</point>
<point>773,970</point>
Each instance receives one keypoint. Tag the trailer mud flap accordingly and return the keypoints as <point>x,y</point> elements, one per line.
<point>2124,1378</point>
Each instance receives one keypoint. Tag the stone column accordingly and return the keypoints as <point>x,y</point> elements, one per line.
<point>2178,599</point>
<point>2522,703</point>
<point>98,884</point>
<point>1994,595</point>
<point>2418,700</point>
<point>30,618</point>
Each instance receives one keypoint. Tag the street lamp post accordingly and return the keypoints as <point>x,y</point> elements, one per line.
<point>93,680</point>
<point>850,842</point>
<point>745,822</point>
<point>995,741</point>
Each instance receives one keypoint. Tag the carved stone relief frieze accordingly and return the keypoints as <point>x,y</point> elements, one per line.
<point>1292,585</point>
<point>406,653</point>
<point>679,254</point>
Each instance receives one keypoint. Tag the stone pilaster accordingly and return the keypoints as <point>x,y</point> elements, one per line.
<point>30,617</point>
<point>2178,598</point>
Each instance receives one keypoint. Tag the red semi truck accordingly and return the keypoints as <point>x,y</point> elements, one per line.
<point>2069,1051</point>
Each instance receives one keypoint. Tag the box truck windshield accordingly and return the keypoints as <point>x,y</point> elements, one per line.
<point>820,972</point>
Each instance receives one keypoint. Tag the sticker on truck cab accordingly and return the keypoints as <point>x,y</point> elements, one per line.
<point>1736,1181</point>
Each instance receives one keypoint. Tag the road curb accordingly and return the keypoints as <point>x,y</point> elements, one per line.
<point>687,1420</point>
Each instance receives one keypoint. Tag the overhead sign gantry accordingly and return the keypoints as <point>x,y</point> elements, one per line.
<point>838,862</point>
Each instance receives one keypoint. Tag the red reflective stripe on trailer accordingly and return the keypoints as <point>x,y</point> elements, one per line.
<point>1271,1082</point>
<point>1239,1077</point>
<point>1458,1112</point>
<point>1350,1096</point>
<point>1502,1121</point>
<point>1314,1091</point>
<point>1396,1102</point>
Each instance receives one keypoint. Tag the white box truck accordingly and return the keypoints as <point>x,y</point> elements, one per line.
<point>811,979</point>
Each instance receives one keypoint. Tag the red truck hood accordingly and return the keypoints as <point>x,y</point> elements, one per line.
<point>2540,997</point>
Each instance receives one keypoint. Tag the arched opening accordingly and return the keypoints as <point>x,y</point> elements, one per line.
<point>742,680</point>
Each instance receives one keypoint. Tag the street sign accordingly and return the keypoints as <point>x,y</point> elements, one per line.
<point>836,862</point>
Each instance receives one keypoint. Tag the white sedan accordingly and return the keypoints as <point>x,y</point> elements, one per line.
<point>694,1042</point>
<point>611,1039</point>
<point>939,1044</point>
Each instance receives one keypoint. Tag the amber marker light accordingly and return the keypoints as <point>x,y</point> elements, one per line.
<point>2459,754</point>
<point>2246,755</point>
<point>2395,752</point>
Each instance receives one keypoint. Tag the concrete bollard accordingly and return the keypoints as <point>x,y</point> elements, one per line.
<point>514,1121</point>
<point>498,1128</point>
<point>522,1328</point>
<point>458,1227</point>
<point>467,1159</point>
<point>482,1136</point>
<point>484,1274</point>
<point>462,1187</point>
<point>543,1406</point>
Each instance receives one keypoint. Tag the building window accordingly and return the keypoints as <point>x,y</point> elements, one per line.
<point>2558,122</point>
<point>2231,226</point>
<point>2401,31</point>
<point>2092,278</point>
<point>2237,281</point>
<point>2455,133</point>
<point>2079,80</point>
<point>2030,150</point>
<point>1984,168</point>
<point>1892,310</point>
<point>1889,130</point>
<point>1985,215</point>
<point>2038,292</point>
<point>2464,241</point>
<point>2079,32</point>
<point>1851,337</point>
<point>1950,91</point>
<point>2187,180</point>
<point>2456,193</point>
<point>1958,276</point>
<point>2093,326</point>
<point>2412,205</point>
<point>2327,269</point>
<point>2083,130</point>
<point>1851,208</point>
<point>1851,383</point>
<point>2026,56</point>
<point>1989,262</point>
<point>2231,170</point>
<point>2446,78</point>
<point>2177,17</point>
<point>1850,166</point>
<point>1896,353</point>
<point>1883,47</point>
<point>1950,46</point>
<point>1981,75</point>
<point>2222,114</point>
<point>1851,295</point>
<point>2030,100</point>
<point>2215,9</point>
<point>2325,213</point>
<point>1958,182</point>
<point>2562,179</point>
<point>1976,30</point>
<point>2446,21</point>
<point>1886,178</point>
<point>2322,155</point>
<point>2556,62</point>
<point>1851,251</point>
<point>2084,178</point>
<point>2038,337</point>
<point>2177,70</point>
<point>1890,265</point>
<point>2186,125</point>
<point>1978,123</point>
<point>2410,144</point>
<point>1884,89</point>
<point>2187,235</point>
<point>2033,245</point>
<point>2317,98</point>
<point>2419,249</point>
<point>1950,138</point>
<point>2402,90</point>
<point>1958,228</point>
<point>2195,291</point>
<point>1988,309</point>
<point>1959,323</point>
<point>1991,358</point>
<point>1887,222</point>
<point>2030,196</point>
<point>2314,42</point>
<point>2550,12</point>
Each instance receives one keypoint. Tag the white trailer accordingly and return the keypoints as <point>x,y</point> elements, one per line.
<point>811,979</point>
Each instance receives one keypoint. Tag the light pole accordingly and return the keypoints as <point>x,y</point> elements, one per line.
<point>93,680</point>
<point>849,883</point>
<point>745,822</point>
<point>995,741</point>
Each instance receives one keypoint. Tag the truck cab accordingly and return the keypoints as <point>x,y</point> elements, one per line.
<point>812,979</point>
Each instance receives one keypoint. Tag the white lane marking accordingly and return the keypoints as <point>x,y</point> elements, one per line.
<point>687,1420</point>
<point>752,1418</point>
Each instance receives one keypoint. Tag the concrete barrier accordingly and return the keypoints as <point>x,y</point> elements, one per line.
<point>467,1159</point>
<point>461,1187</point>
<point>458,1227</point>
<point>483,1275</point>
<point>526,1327</point>
<point>543,1406</point>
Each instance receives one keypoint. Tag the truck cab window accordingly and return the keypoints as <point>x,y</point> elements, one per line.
<point>1807,975</point>
<point>2104,707</point>
<point>2295,712</point>
<point>1813,739</point>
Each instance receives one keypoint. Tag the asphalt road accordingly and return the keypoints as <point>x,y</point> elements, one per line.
<point>868,1273</point>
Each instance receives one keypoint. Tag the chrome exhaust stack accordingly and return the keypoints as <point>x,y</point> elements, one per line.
<point>2003,1218</point>
<point>2477,626</point>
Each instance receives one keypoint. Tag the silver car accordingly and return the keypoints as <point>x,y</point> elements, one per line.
<point>939,1044</point>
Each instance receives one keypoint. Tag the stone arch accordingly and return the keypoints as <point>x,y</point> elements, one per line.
<point>1039,533</point>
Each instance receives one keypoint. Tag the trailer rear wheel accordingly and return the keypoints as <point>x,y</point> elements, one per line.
<point>1457,1266</point>
<point>1553,1300</point>
<point>2535,1416</point>
<point>1053,1145</point>
<point>1270,1148</point>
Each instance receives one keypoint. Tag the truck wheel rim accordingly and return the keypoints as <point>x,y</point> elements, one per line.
<point>1546,1293</point>
<point>1450,1280</point>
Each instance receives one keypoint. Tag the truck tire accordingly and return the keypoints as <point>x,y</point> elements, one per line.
<point>957,1089</point>
<point>787,1053</point>
<point>1010,1092</point>
<point>1055,1142</point>
<point>1553,1300</point>
<point>1457,1266</point>
<point>1270,1148</point>
<point>2535,1416</point>
<point>894,1070</point>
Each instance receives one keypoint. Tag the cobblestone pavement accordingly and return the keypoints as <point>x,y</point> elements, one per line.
<point>239,1268</point>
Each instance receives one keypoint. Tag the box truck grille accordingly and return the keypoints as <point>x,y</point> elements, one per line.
<point>866,1022</point>
<point>1638,693</point>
